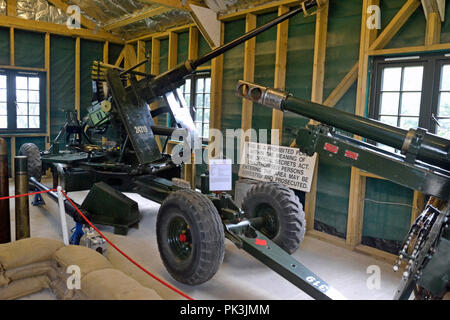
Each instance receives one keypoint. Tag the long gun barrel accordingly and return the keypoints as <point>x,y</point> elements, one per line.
<point>152,88</point>
<point>414,143</point>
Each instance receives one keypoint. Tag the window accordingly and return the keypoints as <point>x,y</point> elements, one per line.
<point>197,93</point>
<point>22,101</point>
<point>411,92</point>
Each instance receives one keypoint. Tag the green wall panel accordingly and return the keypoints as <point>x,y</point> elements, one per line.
<point>203,47</point>
<point>62,77</point>
<point>90,51</point>
<point>148,52</point>
<point>183,47</point>
<point>29,49</point>
<point>233,64</point>
<point>4,46</point>
<point>445,31</point>
<point>164,56</point>
<point>300,58</point>
<point>387,214</point>
<point>264,72</point>
<point>114,51</point>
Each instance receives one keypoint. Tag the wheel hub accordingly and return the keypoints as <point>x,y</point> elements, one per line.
<point>179,238</point>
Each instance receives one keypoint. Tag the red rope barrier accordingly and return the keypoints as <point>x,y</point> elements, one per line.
<point>124,254</point>
<point>26,194</point>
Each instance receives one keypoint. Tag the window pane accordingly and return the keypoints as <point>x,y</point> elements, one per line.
<point>33,109</point>
<point>206,116</point>
<point>408,123</point>
<point>33,83</point>
<point>200,85</point>
<point>22,95</point>
<point>33,96</point>
<point>187,86</point>
<point>207,101</point>
<point>389,120</point>
<point>206,130</point>
<point>391,79</point>
<point>208,85</point>
<point>199,115</point>
<point>445,77</point>
<point>3,110</point>
<point>389,103</point>
<point>3,122</point>
<point>444,104</point>
<point>187,97</point>
<point>34,122</point>
<point>198,126</point>
<point>2,82</point>
<point>3,95</point>
<point>22,122</point>
<point>412,79</point>
<point>21,83</point>
<point>22,109</point>
<point>199,100</point>
<point>410,104</point>
<point>444,129</point>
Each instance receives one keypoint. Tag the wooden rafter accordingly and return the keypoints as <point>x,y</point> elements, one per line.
<point>59,29</point>
<point>135,17</point>
<point>61,4</point>
<point>11,8</point>
<point>434,6</point>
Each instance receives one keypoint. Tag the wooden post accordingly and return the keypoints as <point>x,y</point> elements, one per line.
<point>320,47</point>
<point>11,47</point>
<point>11,8</point>
<point>47,68</point>
<point>141,57</point>
<point>433,31</point>
<point>189,169</point>
<point>77,77</point>
<point>106,52</point>
<point>280,71</point>
<point>357,181</point>
<point>154,69</point>
<point>249,71</point>
<point>216,90</point>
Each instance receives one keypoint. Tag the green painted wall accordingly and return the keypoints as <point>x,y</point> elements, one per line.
<point>4,46</point>
<point>29,49</point>
<point>183,47</point>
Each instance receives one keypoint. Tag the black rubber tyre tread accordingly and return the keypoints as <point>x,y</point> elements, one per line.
<point>289,211</point>
<point>31,151</point>
<point>207,232</point>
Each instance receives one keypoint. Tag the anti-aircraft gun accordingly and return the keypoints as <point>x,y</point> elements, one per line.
<point>423,165</point>
<point>191,226</point>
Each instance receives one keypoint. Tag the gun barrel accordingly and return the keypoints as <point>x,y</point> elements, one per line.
<point>220,50</point>
<point>174,78</point>
<point>422,145</point>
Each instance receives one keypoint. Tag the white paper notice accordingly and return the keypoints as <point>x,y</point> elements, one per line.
<point>284,165</point>
<point>220,175</point>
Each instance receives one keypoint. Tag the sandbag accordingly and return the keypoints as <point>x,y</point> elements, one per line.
<point>23,287</point>
<point>27,251</point>
<point>112,284</point>
<point>87,259</point>
<point>3,280</point>
<point>32,270</point>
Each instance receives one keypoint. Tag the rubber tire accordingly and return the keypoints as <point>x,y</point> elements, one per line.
<point>208,237</point>
<point>288,210</point>
<point>31,151</point>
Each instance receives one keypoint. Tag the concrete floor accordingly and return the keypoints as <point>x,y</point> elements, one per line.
<point>241,277</point>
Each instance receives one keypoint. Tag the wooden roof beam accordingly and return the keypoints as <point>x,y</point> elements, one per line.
<point>140,15</point>
<point>434,6</point>
<point>174,4</point>
<point>59,29</point>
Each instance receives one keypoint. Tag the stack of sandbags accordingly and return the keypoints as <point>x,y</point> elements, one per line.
<point>30,265</point>
<point>26,266</point>
<point>99,280</point>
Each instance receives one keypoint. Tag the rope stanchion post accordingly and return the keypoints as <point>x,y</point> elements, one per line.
<point>62,216</point>
<point>5,221</point>
<point>22,203</point>
<point>124,254</point>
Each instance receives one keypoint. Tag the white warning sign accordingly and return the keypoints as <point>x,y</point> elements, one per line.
<point>288,166</point>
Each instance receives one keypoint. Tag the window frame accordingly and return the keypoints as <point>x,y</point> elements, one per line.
<point>432,63</point>
<point>202,74</point>
<point>11,75</point>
